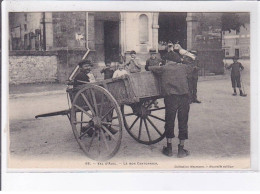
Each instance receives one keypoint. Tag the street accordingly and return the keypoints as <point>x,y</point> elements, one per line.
<point>219,131</point>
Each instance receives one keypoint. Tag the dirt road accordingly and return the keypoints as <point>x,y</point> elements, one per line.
<point>219,131</point>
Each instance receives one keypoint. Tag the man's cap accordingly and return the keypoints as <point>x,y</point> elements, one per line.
<point>170,43</point>
<point>85,61</point>
<point>236,57</point>
<point>152,51</point>
<point>108,61</point>
<point>132,52</point>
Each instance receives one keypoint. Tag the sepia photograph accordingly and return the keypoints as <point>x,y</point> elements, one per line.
<point>129,90</point>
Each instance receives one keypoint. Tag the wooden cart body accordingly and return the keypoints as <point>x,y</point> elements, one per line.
<point>129,89</point>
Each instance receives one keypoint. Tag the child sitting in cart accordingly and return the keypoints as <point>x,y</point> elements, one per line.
<point>108,71</point>
<point>83,76</point>
<point>120,72</point>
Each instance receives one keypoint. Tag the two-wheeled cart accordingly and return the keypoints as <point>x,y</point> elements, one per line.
<point>99,111</point>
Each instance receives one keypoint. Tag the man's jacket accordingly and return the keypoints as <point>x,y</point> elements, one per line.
<point>173,78</point>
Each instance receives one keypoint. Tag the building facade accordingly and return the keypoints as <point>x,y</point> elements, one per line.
<point>237,43</point>
<point>107,35</point>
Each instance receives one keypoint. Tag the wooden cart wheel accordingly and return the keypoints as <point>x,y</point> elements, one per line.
<point>143,123</point>
<point>96,122</point>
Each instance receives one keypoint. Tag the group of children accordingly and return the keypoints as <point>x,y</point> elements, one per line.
<point>133,66</point>
<point>85,75</point>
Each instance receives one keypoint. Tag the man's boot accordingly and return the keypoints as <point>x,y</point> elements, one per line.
<point>196,101</point>
<point>242,94</point>
<point>182,152</point>
<point>235,92</point>
<point>167,150</point>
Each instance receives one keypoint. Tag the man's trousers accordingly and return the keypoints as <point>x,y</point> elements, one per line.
<point>177,104</point>
<point>192,82</point>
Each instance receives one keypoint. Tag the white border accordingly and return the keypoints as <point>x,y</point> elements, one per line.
<point>135,181</point>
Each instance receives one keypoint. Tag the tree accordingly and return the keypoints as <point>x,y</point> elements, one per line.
<point>233,21</point>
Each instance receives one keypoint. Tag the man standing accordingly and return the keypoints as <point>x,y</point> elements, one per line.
<point>175,89</point>
<point>193,75</point>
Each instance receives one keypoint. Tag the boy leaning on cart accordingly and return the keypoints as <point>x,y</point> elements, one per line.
<point>176,100</point>
<point>108,71</point>
<point>153,61</point>
<point>133,65</point>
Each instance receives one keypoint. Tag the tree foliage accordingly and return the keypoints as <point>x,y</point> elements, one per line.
<point>233,21</point>
<point>210,21</point>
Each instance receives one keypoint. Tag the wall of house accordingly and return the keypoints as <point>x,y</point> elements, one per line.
<point>237,40</point>
<point>132,35</point>
<point>32,68</point>
<point>69,29</point>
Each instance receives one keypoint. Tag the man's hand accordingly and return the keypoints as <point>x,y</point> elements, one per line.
<point>123,76</point>
<point>226,65</point>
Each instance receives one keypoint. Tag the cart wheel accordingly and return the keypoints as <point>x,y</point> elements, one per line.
<point>96,122</point>
<point>151,122</point>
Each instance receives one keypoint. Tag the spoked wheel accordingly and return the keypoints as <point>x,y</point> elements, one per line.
<point>143,123</point>
<point>96,122</point>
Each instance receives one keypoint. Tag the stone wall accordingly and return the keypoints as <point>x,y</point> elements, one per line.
<point>68,60</point>
<point>32,69</point>
<point>69,29</point>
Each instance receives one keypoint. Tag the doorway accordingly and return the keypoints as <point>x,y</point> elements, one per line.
<point>111,41</point>
<point>173,27</point>
<point>237,53</point>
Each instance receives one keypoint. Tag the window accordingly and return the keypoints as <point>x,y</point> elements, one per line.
<point>25,17</point>
<point>25,27</point>
<point>143,29</point>
<point>227,52</point>
<point>237,41</point>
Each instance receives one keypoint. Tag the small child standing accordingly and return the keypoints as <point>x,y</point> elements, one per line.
<point>120,72</point>
<point>108,71</point>
<point>133,65</point>
<point>235,76</point>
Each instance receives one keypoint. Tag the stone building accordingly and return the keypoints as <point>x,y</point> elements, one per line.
<point>64,38</point>
<point>237,43</point>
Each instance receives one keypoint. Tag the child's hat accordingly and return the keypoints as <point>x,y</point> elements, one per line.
<point>85,61</point>
<point>170,43</point>
<point>108,61</point>
<point>132,52</point>
<point>152,51</point>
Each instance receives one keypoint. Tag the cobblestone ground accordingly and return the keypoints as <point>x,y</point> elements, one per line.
<point>219,130</point>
